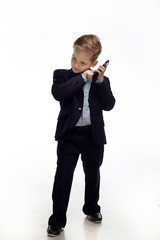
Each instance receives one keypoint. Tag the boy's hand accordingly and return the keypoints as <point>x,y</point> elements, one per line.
<point>88,74</point>
<point>101,70</point>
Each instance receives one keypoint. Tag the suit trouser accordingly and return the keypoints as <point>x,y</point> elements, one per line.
<point>75,142</point>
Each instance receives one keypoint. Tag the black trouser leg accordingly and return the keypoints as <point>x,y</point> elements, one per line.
<point>92,161</point>
<point>61,189</point>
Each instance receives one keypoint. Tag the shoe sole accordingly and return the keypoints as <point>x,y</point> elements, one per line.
<point>96,222</point>
<point>55,235</point>
<point>52,235</point>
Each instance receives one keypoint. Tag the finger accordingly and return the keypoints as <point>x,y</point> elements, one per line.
<point>87,76</point>
<point>99,72</point>
<point>101,69</point>
<point>106,65</point>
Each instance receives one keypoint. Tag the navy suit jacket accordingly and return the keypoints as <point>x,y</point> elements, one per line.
<point>67,88</point>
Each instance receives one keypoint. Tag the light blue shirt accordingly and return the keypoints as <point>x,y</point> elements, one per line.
<point>85,118</point>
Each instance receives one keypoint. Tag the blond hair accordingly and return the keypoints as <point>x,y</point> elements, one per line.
<point>90,44</point>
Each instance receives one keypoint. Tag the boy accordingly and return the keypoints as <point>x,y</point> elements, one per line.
<point>80,129</point>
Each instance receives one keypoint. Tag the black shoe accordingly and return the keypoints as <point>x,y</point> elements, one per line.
<point>53,232</point>
<point>95,217</point>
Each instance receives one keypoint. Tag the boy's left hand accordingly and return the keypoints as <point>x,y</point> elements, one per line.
<point>101,70</point>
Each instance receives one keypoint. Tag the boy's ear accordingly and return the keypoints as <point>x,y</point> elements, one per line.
<point>94,63</point>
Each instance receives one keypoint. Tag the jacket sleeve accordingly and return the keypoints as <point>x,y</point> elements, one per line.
<point>62,89</point>
<point>104,94</point>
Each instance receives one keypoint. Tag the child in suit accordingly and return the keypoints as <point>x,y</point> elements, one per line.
<point>80,129</point>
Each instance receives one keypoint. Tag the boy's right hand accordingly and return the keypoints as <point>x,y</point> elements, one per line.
<point>88,74</point>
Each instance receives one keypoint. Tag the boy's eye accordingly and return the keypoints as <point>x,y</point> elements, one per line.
<point>83,63</point>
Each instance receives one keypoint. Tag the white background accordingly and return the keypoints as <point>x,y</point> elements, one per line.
<point>36,37</point>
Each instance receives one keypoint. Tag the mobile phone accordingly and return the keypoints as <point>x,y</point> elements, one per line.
<point>107,62</point>
<point>95,75</point>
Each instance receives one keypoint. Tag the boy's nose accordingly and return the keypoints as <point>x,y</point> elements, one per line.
<point>76,65</point>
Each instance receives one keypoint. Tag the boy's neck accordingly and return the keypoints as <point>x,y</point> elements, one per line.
<point>73,73</point>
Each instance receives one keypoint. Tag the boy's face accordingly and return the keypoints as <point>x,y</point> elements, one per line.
<point>81,61</point>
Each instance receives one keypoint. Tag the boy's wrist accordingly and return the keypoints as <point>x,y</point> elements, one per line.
<point>100,80</point>
<point>84,77</point>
